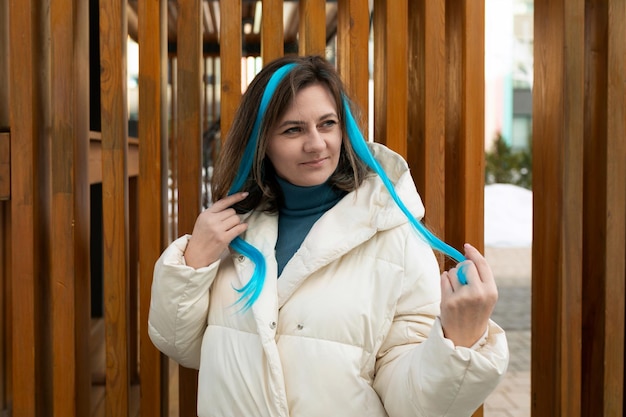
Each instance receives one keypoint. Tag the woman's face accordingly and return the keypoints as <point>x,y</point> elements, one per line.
<point>304,146</point>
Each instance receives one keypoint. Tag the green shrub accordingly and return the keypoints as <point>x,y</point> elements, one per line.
<point>504,165</point>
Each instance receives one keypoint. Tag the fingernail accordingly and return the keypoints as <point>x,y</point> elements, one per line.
<point>245,194</point>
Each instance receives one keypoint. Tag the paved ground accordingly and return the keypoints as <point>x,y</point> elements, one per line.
<point>512,270</point>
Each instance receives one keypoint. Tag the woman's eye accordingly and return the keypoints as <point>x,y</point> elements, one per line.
<point>292,130</point>
<point>329,123</point>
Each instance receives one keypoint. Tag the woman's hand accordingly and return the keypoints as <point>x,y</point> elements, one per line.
<point>213,231</point>
<point>466,309</point>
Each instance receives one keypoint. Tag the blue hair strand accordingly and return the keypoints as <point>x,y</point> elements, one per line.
<point>251,291</point>
<point>360,147</point>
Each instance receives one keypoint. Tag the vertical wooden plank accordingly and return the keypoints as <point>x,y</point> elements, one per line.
<point>312,27</point>
<point>427,112</point>
<point>5,166</point>
<point>5,304</point>
<point>230,63</point>
<point>272,32</point>
<point>28,203</point>
<point>391,74</point>
<point>352,51</point>
<point>615,213</point>
<point>113,38</point>
<point>558,114</point>
<point>5,224</point>
<point>4,65</point>
<point>189,136</point>
<point>69,272</point>
<point>172,150</point>
<point>464,125</point>
<point>604,212</point>
<point>153,116</point>
<point>465,30</point>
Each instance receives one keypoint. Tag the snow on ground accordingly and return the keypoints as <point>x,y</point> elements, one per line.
<point>508,216</point>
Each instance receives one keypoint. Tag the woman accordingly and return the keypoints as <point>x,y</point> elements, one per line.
<point>327,303</point>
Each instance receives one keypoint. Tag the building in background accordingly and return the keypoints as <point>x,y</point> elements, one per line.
<point>509,71</point>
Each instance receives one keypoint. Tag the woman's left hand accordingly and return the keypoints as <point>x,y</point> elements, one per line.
<point>466,309</point>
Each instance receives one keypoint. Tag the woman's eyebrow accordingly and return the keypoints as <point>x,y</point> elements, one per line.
<point>301,122</point>
<point>291,123</point>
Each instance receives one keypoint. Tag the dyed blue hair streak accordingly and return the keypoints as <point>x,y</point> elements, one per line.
<point>251,291</point>
<point>359,144</point>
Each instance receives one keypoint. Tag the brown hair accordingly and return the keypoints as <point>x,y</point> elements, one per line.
<point>261,183</point>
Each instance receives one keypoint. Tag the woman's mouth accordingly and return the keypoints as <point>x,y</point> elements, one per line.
<point>315,162</point>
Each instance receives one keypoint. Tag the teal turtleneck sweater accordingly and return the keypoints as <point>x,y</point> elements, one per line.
<point>302,207</point>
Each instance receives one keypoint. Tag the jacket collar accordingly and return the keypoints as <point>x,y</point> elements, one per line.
<point>353,220</point>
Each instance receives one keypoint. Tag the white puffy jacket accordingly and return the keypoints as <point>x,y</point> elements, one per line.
<point>350,329</point>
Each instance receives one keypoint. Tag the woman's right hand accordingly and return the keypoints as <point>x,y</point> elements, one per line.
<point>213,231</point>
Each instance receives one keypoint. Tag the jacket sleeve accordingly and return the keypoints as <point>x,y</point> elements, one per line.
<point>179,305</point>
<point>419,371</point>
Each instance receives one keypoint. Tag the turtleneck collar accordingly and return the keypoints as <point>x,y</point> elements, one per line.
<point>301,208</point>
<point>303,201</point>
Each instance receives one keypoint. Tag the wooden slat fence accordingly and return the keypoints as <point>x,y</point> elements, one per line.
<point>428,78</point>
<point>579,189</point>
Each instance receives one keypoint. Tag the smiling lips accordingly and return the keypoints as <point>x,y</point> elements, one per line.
<point>315,162</point>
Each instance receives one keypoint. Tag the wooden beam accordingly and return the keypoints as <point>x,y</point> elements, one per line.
<point>427,112</point>
<point>391,74</point>
<point>95,157</point>
<point>28,205</point>
<point>152,183</point>
<point>5,303</point>
<point>558,115</point>
<point>5,165</point>
<point>4,66</point>
<point>272,32</point>
<point>604,212</point>
<point>352,52</point>
<point>69,273</point>
<point>230,64</point>
<point>189,136</point>
<point>312,27</point>
<point>464,164</point>
<point>113,38</point>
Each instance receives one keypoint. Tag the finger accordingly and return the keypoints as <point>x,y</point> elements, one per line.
<point>446,284</point>
<point>467,272</point>
<point>231,221</point>
<point>480,263</point>
<point>228,201</point>
<point>454,275</point>
<point>235,231</point>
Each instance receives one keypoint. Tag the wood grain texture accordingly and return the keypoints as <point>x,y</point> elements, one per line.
<point>28,205</point>
<point>4,67</point>
<point>558,109</point>
<point>464,164</point>
<point>230,63</point>
<point>5,165</point>
<point>188,138</point>
<point>113,37</point>
<point>353,54</point>
<point>152,198</point>
<point>464,126</point>
<point>69,273</point>
<point>272,30</point>
<point>391,74</point>
<point>427,107</point>
<point>5,304</point>
<point>604,212</point>
<point>312,27</point>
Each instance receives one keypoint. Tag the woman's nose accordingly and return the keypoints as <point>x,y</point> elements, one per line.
<point>314,141</point>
